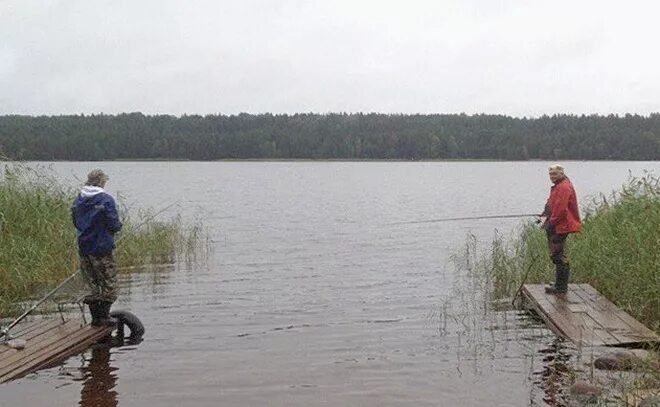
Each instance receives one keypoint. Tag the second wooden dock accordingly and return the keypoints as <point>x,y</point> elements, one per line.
<point>48,342</point>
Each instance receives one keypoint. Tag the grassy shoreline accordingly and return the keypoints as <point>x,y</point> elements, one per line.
<point>37,239</point>
<point>618,252</point>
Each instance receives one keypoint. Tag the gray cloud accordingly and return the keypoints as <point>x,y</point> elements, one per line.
<point>512,57</point>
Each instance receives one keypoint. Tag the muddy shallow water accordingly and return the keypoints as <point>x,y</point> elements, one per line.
<point>307,298</point>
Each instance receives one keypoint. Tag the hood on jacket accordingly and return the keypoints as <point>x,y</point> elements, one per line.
<point>89,191</point>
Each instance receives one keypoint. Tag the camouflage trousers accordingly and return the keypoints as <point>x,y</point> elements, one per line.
<point>100,275</point>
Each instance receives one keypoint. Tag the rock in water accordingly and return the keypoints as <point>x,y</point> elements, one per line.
<point>585,388</point>
<point>621,360</point>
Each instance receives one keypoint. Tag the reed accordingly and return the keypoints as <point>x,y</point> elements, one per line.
<point>618,251</point>
<point>37,239</point>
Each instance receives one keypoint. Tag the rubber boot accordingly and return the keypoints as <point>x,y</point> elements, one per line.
<point>94,309</point>
<point>560,286</point>
<point>562,278</point>
<point>551,288</point>
<point>104,314</point>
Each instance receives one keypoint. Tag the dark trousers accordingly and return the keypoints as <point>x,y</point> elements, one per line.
<point>557,249</point>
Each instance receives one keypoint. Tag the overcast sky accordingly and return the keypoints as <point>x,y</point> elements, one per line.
<point>522,58</point>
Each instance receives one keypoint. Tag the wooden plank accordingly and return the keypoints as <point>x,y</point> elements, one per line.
<point>65,347</point>
<point>21,330</point>
<point>572,324</point>
<point>60,344</point>
<point>34,348</point>
<point>599,335</point>
<point>24,327</point>
<point>545,310</point>
<point>578,327</point>
<point>605,312</point>
<point>585,317</point>
<point>38,339</point>
<point>618,322</point>
<point>33,331</point>
<point>556,311</point>
<point>98,334</point>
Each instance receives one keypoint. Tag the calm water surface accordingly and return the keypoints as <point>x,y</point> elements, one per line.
<point>308,298</point>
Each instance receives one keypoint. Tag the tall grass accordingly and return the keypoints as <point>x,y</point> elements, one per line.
<point>37,238</point>
<point>618,252</point>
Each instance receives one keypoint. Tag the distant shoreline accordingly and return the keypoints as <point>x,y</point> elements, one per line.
<point>339,160</point>
<point>331,137</point>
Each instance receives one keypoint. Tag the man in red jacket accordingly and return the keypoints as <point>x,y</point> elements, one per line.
<point>562,217</point>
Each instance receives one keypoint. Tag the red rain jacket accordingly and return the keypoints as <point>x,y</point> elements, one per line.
<point>562,208</point>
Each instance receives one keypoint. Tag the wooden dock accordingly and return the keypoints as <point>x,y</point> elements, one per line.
<point>48,342</point>
<point>587,318</point>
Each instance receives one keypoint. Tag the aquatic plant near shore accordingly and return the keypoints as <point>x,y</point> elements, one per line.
<point>618,252</point>
<point>37,240</point>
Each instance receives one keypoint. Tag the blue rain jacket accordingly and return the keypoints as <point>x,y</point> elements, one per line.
<point>96,220</point>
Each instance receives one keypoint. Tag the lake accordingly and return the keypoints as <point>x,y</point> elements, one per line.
<point>309,297</point>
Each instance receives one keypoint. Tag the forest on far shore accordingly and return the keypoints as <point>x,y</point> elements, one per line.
<point>330,136</point>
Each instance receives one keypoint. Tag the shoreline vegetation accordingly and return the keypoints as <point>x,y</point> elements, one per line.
<point>617,252</point>
<point>359,136</point>
<point>37,240</point>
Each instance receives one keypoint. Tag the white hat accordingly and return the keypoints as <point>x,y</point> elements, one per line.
<point>557,167</point>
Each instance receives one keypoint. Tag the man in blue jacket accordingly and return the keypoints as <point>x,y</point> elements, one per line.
<point>95,217</point>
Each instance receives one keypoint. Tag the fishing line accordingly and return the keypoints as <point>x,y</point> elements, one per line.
<point>523,215</point>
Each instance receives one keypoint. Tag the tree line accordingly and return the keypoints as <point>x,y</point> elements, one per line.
<point>326,136</point>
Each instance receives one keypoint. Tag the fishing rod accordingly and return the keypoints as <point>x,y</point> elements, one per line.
<point>524,280</point>
<point>522,215</point>
<point>5,331</point>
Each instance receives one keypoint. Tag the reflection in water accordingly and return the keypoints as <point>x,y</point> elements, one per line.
<point>100,380</point>
<point>555,375</point>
